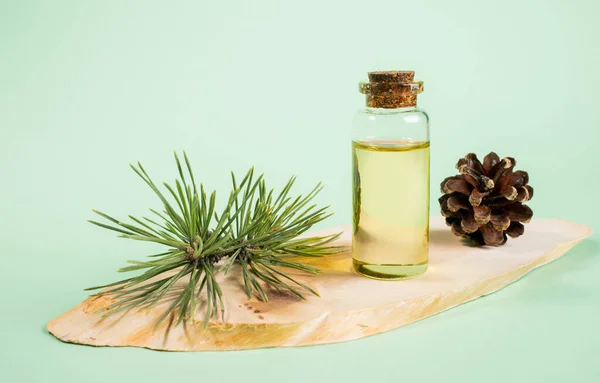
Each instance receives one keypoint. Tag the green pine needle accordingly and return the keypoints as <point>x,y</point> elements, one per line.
<point>256,230</point>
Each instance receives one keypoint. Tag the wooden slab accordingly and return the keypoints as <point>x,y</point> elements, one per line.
<point>350,306</point>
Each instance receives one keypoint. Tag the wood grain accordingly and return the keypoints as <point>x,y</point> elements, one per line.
<point>350,306</point>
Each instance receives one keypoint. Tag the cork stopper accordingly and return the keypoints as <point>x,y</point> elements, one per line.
<point>391,89</point>
<point>392,76</point>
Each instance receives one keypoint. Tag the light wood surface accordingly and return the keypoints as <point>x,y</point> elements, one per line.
<point>350,306</point>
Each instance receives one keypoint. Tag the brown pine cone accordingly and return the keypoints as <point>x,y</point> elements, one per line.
<point>485,202</point>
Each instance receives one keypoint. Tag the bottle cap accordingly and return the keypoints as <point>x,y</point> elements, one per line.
<point>391,89</point>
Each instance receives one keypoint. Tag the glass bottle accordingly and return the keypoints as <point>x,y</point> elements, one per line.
<point>390,150</point>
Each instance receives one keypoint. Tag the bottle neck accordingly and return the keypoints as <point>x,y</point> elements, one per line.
<point>381,111</point>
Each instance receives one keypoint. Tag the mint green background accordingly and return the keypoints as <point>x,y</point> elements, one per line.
<point>88,87</point>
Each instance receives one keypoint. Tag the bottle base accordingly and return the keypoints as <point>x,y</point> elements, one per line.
<point>389,272</point>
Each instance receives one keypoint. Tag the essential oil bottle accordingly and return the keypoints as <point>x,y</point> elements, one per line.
<point>390,150</point>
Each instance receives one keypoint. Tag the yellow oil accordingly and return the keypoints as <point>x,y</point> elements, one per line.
<point>391,208</point>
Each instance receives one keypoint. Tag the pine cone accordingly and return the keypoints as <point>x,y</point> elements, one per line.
<point>485,202</point>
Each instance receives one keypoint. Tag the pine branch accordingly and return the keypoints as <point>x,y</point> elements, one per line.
<point>255,230</point>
